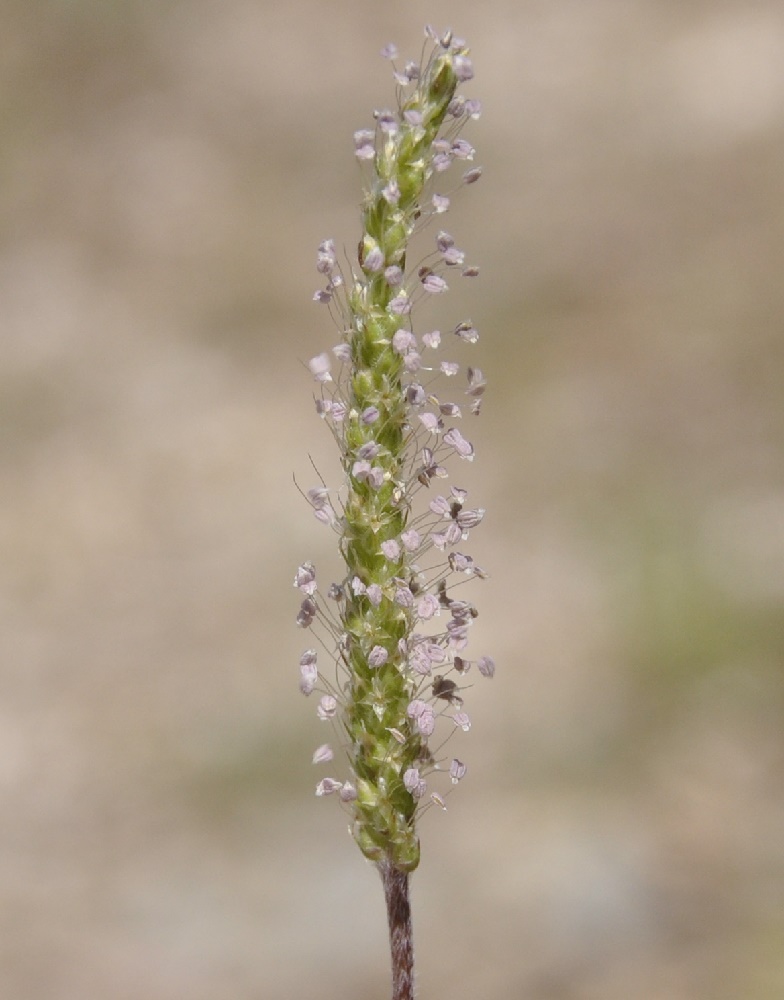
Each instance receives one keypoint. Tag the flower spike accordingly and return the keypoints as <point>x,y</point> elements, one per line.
<point>397,634</point>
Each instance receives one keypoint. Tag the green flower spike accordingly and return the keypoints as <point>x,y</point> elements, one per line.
<point>392,624</point>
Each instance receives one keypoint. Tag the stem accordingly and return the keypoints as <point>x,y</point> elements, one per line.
<point>401,941</point>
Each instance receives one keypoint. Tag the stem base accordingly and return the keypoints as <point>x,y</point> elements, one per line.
<point>401,941</point>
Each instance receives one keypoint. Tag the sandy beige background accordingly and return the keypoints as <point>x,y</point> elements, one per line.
<point>167,170</point>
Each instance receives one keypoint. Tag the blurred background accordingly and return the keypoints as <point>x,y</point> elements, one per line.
<point>167,170</point>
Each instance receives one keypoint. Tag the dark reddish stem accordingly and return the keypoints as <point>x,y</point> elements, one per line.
<point>401,941</point>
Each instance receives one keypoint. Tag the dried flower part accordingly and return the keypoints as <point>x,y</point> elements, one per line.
<point>393,619</point>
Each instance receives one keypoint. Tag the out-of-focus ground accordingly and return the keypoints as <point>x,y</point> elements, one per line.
<point>166,172</point>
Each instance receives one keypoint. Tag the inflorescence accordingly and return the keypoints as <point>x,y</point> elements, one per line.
<point>393,626</point>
